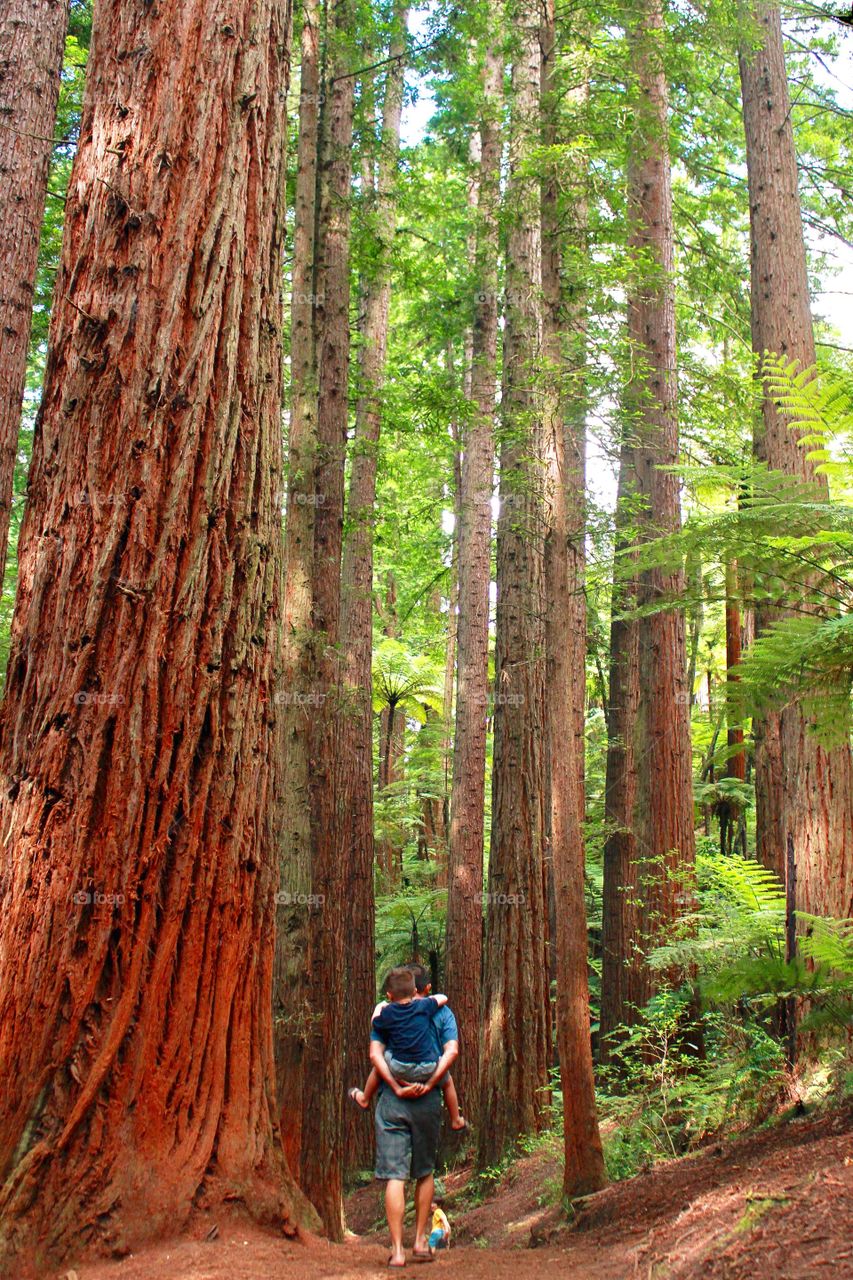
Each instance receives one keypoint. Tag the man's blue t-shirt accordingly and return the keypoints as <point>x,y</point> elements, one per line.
<point>443,1027</point>
<point>406,1029</point>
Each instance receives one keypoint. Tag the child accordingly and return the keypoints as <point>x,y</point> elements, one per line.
<point>439,1237</point>
<point>405,1024</point>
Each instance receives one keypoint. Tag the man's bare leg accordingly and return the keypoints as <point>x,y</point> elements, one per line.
<point>395,1209</point>
<point>424,1192</point>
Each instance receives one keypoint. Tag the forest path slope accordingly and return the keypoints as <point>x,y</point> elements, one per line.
<point>775,1204</point>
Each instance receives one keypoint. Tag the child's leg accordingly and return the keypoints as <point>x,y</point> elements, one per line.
<point>363,1096</point>
<point>451,1098</point>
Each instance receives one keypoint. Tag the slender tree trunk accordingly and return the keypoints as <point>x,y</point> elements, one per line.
<point>662,751</point>
<point>802,790</point>
<point>357,609</point>
<point>392,746</point>
<point>298,692</point>
<point>465,851</point>
<point>450,651</point>
<point>565,642</point>
<point>620,917</point>
<point>516,1006</point>
<point>321,1153</point>
<point>138,741</point>
<point>32,40</point>
<point>731,815</point>
<point>450,647</point>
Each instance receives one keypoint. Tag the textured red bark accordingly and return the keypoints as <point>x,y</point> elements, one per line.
<point>357,615</point>
<point>321,1152</point>
<point>663,824</point>
<point>801,789</point>
<point>465,850</point>
<point>565,643</point>
<point>516,1007</point>
<point>138,742</point>
<point>32,41</point>
<point>655,831</point>
<point>297,694</point>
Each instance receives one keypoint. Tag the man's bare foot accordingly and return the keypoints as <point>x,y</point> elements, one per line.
<point>459,1123</point>
<point>397,1260</point>
<point>359,1098</point>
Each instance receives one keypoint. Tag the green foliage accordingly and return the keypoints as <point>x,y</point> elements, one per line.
<point>410,918</point>
<point>705,1058</point>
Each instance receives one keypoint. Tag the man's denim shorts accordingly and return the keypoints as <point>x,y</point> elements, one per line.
<point>414,1072</point>
<point>407,1131</point>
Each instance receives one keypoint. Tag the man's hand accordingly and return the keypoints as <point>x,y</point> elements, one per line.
<point>414,1090</point>
<point>445,1062</point>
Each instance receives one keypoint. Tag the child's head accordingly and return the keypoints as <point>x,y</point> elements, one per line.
<point>400,985</point>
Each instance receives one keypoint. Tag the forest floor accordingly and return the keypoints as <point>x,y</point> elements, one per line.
<point>776,1204</point>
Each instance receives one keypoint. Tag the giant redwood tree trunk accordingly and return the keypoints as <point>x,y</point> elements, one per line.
<point>565,644</point>
<point>32,41</point>
<point>663,826</point>
<point>650,844</point>
<point>321,1153</point>
<point>802,789</point>
<point>297,693</point>
<point>138,743</point>
<point>516,1012</point>
<point>357,614</point>
<point>465,847</point>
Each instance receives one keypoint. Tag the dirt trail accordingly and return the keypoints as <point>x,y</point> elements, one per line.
<point>777,1205</point>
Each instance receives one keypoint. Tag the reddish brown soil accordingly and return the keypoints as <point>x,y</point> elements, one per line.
<point>776,1205</point>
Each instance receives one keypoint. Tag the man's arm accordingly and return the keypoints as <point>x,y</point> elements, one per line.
<point>445,1062</point>
<point>377,1059</point>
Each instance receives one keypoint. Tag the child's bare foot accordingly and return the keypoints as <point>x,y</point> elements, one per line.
<point>459,1123</point>
<point>359,1098</point>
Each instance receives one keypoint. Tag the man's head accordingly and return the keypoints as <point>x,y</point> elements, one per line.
<point>400,984</point>
<point>422,978</point>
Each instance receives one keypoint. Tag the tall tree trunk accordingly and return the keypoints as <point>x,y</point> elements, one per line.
<point>731,815</point>
<point>451,641</point>
<point>138,742</point>
<point>802,790</point>
<point>292,1009</point>
<point>357,608</point>
<point>32,40</point>
<point>464,945</point>
<point>392,748</point>
<point>516,1006</point>
<point>662,749</point>
<point>321,1153</point>
<point>620,917</point>
<point>651,842</point>
<point>565,645</point>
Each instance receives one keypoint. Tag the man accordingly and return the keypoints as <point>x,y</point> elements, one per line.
<point>407,1131</point>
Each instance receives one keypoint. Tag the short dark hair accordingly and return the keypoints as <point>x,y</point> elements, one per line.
<point>400,984</point>
<point>422,976</point>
